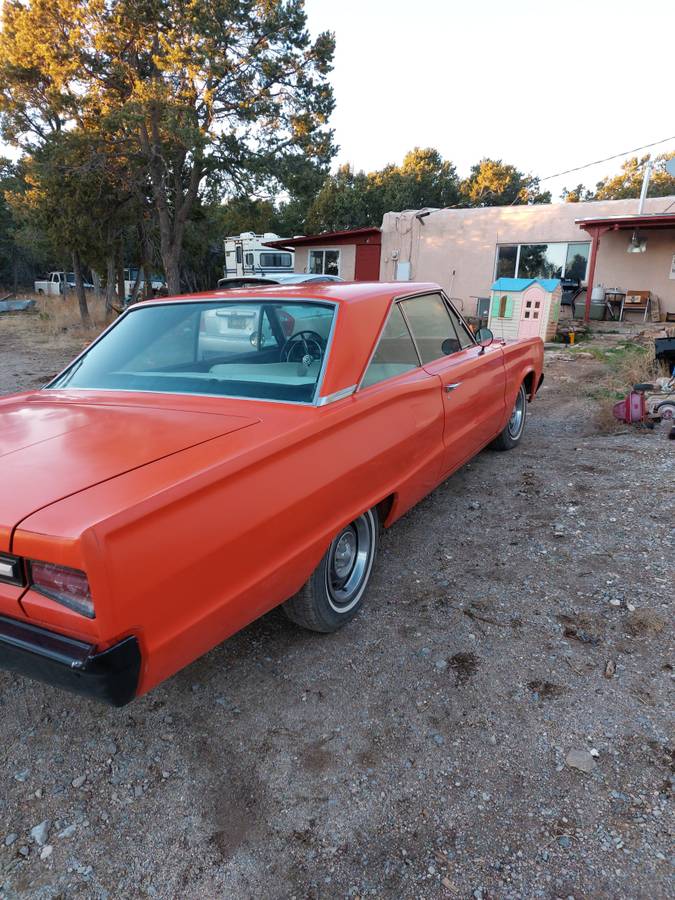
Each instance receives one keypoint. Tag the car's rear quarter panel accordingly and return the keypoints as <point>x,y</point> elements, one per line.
<point>190,549</point>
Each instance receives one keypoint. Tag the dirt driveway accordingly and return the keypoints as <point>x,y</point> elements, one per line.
<point>517,614</point>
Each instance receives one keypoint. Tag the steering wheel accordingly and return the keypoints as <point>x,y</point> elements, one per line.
<point>309,342</point>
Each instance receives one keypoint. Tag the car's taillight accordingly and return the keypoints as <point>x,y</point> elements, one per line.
<point>67,586</point>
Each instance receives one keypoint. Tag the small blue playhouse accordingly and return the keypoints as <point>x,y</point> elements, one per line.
<point>525,307</point>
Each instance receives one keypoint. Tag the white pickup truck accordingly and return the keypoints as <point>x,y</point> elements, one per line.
<point>54,283</point>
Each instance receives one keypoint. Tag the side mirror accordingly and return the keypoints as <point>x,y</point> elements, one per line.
<point>484,337</point>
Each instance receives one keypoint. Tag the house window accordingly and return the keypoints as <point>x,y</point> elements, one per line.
<point>576,262</point>
<point>507,258</point>
<point>553,260</point>
<point>324,262</point>
<point>541,260</point>
<point>276,260</point>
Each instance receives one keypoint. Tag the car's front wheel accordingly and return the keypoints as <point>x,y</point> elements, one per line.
<point>334,593</point>
<point>513,432</point>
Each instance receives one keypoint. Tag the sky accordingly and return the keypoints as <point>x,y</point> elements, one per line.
<point>545,86</point>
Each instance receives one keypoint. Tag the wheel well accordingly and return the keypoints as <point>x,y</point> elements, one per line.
<point>528,381</point>
<point>384,508</point>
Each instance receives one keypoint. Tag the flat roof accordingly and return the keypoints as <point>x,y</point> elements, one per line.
<point>360,235</point>
<point>653,220</point>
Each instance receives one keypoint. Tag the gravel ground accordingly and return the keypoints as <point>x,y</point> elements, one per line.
<point>517,629</point>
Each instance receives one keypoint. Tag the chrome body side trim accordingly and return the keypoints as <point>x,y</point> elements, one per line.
<point>337,395</point>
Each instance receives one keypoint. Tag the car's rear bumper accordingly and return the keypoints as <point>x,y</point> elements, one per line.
<point>111,676</point>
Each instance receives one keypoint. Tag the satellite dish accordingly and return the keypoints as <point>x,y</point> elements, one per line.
<point>670,167</point>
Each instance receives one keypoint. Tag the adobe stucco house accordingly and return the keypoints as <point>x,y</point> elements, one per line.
<point>466,250</point>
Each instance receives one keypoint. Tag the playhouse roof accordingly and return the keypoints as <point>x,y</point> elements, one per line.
<point>517,285</point>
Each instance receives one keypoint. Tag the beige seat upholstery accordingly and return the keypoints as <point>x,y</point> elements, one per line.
<point>271,373</point>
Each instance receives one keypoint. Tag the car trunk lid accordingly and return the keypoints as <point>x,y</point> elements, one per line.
<point>52,448</point>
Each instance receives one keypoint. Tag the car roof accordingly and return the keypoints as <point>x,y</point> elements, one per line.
<point>246,280</point>
<point>362,309</point>
<point>303,278</point>
<point>263,280</point>
<point>346,293</point>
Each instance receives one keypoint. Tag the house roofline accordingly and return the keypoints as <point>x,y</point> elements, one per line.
<point>347,236</point>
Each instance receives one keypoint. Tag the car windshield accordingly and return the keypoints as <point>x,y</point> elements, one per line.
<point>268,350</point>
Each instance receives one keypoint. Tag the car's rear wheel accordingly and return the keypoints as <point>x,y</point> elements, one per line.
<point>513,432</point>
<point>334,593</point>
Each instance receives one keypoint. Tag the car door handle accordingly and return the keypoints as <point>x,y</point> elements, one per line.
<point>451,387</point>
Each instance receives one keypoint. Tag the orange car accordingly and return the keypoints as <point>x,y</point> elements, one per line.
<point>210,457</point>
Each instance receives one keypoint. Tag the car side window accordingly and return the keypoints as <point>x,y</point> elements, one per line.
<point>465,339</point>
<point>395,353</point>
<point>431,326</point>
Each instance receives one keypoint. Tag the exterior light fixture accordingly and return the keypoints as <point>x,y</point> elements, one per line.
<point>637,244</point>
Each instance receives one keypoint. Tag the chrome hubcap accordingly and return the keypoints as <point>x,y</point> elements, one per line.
<point>350,560</point>
<point>345,554</point>
<point>518,415</point>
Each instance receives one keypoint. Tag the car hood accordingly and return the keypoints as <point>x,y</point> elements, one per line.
<point>53,448</point>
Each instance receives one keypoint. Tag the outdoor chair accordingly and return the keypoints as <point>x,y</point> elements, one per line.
<point>636,301</point>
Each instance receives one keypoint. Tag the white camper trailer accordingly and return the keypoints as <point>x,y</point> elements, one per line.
<point>246,254</point>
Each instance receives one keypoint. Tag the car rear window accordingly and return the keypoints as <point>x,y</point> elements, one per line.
<point>267,350</point>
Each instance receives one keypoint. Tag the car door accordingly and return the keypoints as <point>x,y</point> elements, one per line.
<point>472,377</point>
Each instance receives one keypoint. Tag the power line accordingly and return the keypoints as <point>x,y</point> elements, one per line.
<point>607,159</point>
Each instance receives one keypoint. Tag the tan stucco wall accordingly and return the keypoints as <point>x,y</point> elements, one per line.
<point>347,258</point>
<point>646,271</point>
<point>466,240</point>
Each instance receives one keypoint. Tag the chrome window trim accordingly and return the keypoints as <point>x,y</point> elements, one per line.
<point>217,300</point>
<point>81,390</point>
<point>336,395</point>
<point>438,293</point>
<point>448,306</point>
<point>410,331</point>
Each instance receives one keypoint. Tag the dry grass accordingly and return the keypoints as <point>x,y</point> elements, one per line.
<point>605,421</point>
<point>62,314</point>
<point>645,622</point>
<point>626,364</point>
